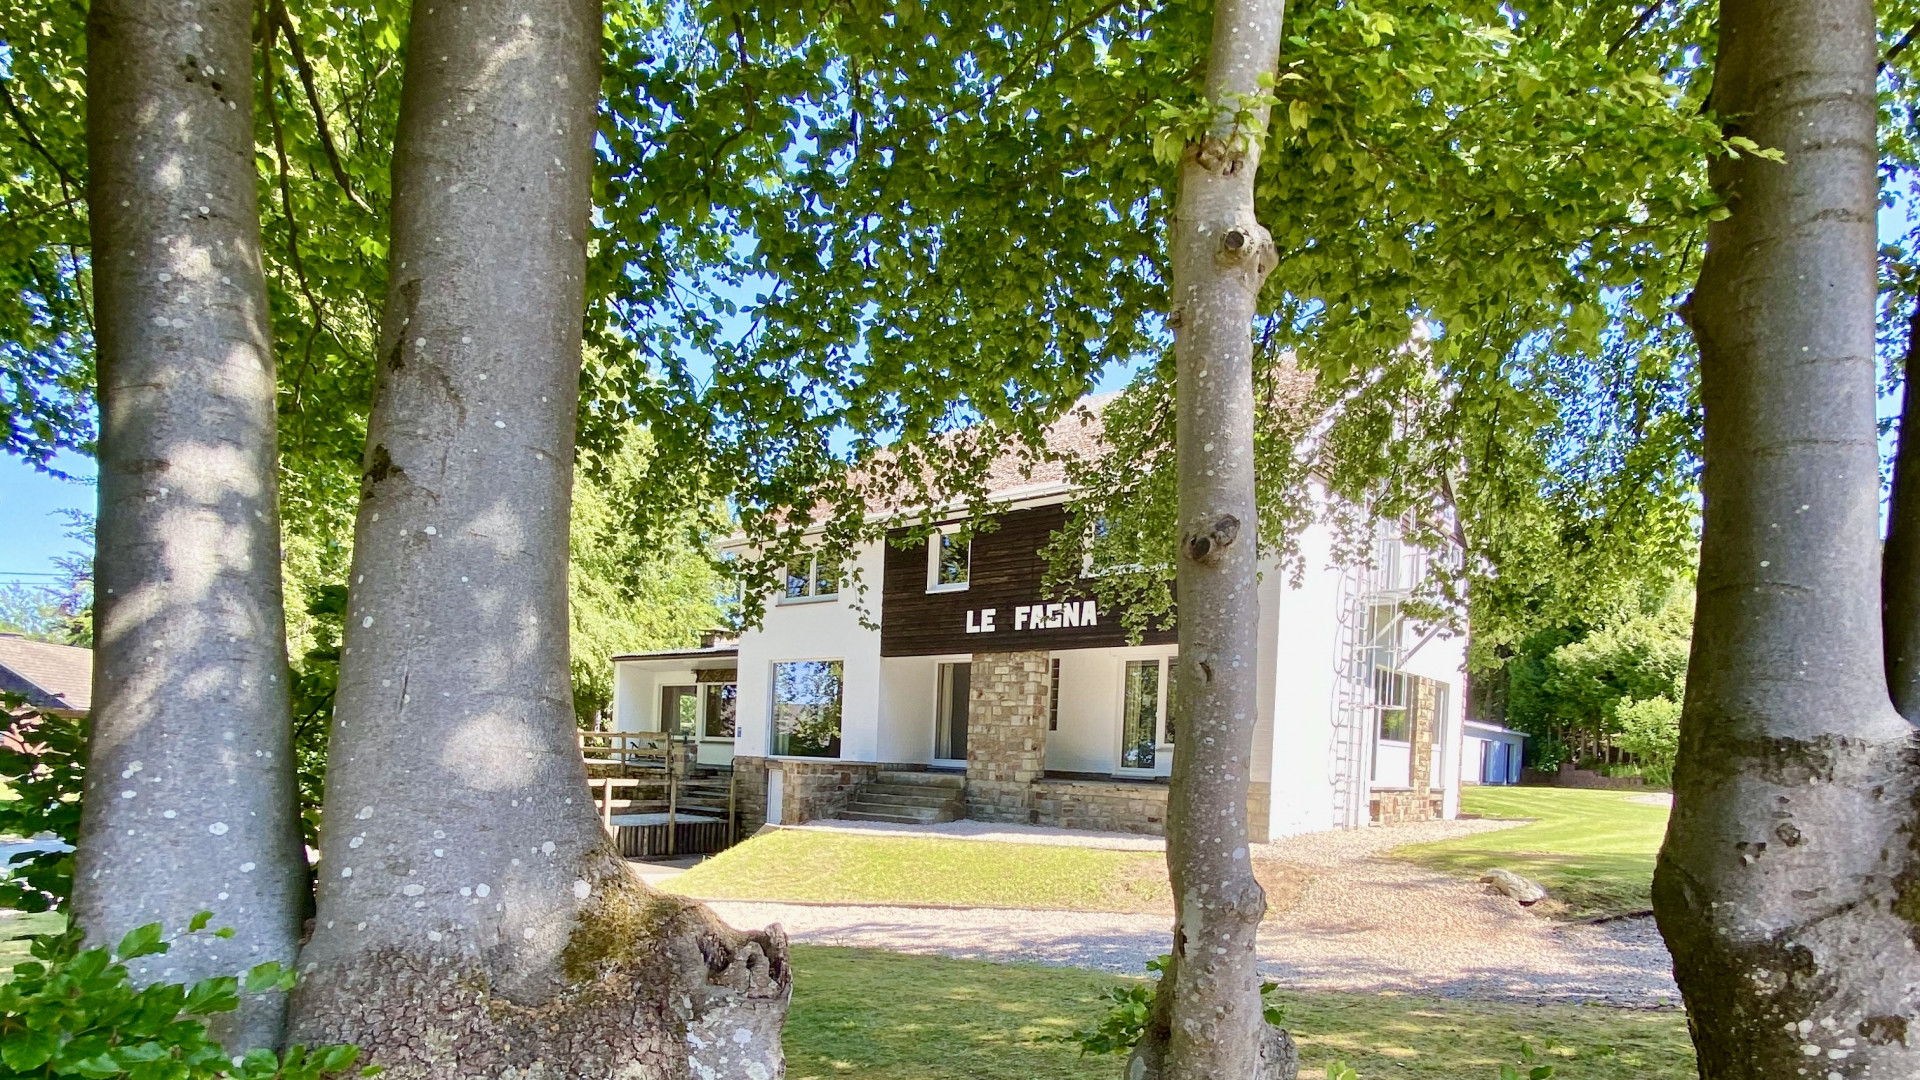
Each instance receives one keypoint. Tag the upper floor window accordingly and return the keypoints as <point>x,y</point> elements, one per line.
<point>949,562</point>
<point>811,580</point>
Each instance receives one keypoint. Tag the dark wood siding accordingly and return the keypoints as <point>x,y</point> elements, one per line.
<point>1006,573</point>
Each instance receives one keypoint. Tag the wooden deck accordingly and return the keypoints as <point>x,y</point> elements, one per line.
<point>671,805</point>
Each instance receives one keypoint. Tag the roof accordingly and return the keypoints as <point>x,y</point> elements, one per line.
<point>1491,728</point>
<point>51,677</point>
<point>717,652</point>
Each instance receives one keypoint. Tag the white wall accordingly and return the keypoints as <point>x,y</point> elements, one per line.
<point>818,630</point>
<point>907,699</point>
<point>1305,626</point>
<point>636,694</point>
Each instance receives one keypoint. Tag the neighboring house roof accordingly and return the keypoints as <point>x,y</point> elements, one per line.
<point>718,652</point>
<point>53,678</point>
<point>1490,729</point>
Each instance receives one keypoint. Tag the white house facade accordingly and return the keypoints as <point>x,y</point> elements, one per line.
<point>957,686</point>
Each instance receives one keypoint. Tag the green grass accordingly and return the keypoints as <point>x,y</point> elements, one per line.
<point>871,1015</point>
<point>795,864</point>
<point>16,927</point>
<point>1593,850</point>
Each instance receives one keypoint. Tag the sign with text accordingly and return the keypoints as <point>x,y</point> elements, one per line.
<point>1072,613</point>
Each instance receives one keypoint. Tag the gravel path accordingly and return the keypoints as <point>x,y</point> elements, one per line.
<point>1364,923</point>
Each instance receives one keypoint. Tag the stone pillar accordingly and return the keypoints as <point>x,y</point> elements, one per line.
<point>1421,705</point>
<point>1006,734</point>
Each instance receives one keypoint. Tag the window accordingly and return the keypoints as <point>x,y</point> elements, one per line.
<point>806,708</point>
<point>721,719</point>
<point>1390,698</point>
<point>1053,696</point>
<point>679,708</point>
<point>812,580</point>
<point>1140,714</point>
<point>949,560</point>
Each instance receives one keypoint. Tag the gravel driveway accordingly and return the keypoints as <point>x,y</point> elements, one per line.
<point>1364,923</point>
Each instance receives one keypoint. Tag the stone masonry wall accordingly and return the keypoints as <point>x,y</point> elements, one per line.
<point>811,790</point>
<point>1107,807</point>
<point>1397,807</point>
<point>1006,734</point>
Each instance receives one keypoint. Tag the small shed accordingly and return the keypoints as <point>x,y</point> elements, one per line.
<point>1492,754</point>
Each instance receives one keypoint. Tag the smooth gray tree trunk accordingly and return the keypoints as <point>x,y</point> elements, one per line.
<point>1208,1022</point>
<point>1900,591</point>
<point>1787,888</point>
<point>190,791</point>
<point>473,917</point>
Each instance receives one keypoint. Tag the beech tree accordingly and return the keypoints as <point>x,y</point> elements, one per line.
<point>1786,888</point>
<point>1208,1018</point>
<point>189,792</point>
<point>473,918</point>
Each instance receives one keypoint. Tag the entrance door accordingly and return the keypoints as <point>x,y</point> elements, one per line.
<point>950,714</point>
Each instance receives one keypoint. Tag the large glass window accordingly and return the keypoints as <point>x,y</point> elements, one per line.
<point>950,562</point>
<point>806,708</point>
<point>1140,716</point>
<point>679,709</point>
<point>722,714</point>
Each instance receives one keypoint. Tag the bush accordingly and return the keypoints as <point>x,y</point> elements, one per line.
<point>1650,731</point>
<point>43,759</point>
<point>1121,1029</point>
<point>74,1012</point>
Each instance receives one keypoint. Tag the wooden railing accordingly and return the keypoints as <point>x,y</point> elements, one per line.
<point>631,767</point>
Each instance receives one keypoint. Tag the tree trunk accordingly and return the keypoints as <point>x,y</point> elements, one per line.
<point>1788,888</point>
<point>190,794</point>
<point>1900,589</point>
<point>473,918</point>
<point>1208,1022</point>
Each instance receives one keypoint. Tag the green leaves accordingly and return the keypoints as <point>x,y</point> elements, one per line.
<point>76,1013</point>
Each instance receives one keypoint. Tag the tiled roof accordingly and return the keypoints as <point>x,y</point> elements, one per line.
<point>49,676</point>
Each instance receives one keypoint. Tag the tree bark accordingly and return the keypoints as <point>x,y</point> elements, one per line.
<point>1208,1022</point>
<point>190,794</point>
<point>1900,578</point>
<point>1788,888</point>
<point>473,918</point>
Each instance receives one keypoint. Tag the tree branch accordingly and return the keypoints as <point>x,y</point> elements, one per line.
<point>1639,24</point>
<point>278,16</point>
<point>286,202</point>
<point>1906,41</point>
<point>33,140</point>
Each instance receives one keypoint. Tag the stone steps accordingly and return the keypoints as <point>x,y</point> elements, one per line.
<point>909,798</point>
<point>900,815</point>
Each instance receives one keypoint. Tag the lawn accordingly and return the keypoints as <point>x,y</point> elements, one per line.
<point>852,868</point>
<point>1593,850</point>
<point>809,864</point>
<point>873,1015</point>
<point>16,927</point>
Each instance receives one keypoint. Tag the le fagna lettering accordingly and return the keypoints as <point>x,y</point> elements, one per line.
<point>1069,615</point>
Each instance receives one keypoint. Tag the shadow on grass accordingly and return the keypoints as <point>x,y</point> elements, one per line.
<point>884,1016</point>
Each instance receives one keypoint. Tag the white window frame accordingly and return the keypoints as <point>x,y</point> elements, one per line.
<point>701,730</point>
<point>1163,704</point>
<point>699,709</point>
<point>812,595</point>
<point>934,584</point>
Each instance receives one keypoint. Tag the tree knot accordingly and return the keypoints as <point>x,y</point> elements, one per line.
<point>1207,546</point>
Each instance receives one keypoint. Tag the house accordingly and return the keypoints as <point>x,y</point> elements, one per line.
<point>56,679</point>
<point>1491,754</point>
<point>978,693</point>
